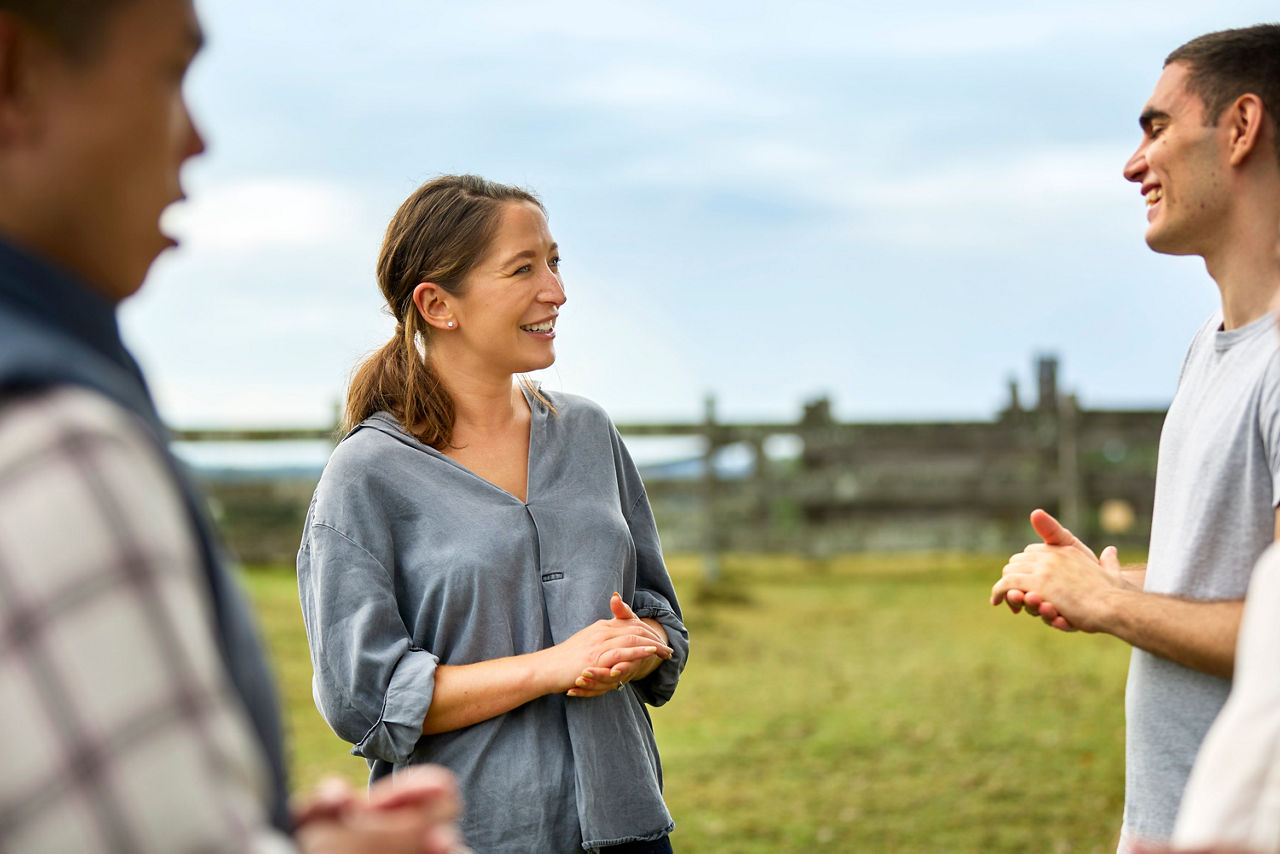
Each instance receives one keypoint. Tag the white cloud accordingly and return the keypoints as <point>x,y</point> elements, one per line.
<point>255,214</point>
<point>988,203</point>
<point>666,88</point>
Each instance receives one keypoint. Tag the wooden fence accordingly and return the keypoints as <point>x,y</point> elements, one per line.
<point>847,486</point>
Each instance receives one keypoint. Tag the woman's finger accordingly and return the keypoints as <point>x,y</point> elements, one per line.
<point>613,657</point>
<point>634,640</point>
<point>620,609</point>
<point>623,671</point>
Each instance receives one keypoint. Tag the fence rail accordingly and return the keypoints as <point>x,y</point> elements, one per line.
<point>850,487</point>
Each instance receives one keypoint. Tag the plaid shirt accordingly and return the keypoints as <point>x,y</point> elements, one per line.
<point>121,729</point>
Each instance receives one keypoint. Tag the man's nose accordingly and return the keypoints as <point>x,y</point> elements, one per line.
<point>1136,167</point>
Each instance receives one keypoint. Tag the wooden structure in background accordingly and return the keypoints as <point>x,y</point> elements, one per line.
<point>852,487</point>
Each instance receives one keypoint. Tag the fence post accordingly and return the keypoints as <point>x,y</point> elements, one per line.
<point>714,531</point>
<point>1070,486</point>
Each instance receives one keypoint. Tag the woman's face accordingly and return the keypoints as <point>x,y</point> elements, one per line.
<point>505,316</point>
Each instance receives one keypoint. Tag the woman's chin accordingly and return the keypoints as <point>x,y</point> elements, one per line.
<point>540,364</point>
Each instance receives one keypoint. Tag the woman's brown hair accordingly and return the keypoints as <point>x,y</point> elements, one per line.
<point>438,235</point>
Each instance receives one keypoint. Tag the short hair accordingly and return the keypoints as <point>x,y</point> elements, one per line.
<point>75,26</point>
<point>1230,63</point>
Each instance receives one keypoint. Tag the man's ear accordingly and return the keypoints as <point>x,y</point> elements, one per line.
<point>1246,119</point>
<point>22,52</point>
<point>432,302</point>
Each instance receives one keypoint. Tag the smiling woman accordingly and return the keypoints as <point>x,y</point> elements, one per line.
<point>435,240</point>
<point>458,558</point>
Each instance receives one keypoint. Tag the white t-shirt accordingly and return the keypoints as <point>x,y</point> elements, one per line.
<point>1217,487</point>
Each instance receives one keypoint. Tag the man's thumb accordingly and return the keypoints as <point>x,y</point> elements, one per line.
<point>1050,529</point>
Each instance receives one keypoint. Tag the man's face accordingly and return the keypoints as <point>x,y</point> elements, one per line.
<point>1180,167</point>
<point>113,134</point>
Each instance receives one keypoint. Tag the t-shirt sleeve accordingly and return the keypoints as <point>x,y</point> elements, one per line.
<point>1206,329</point>
<point>372,684</point>
<point>1269,415</point>
<point>122,730</point>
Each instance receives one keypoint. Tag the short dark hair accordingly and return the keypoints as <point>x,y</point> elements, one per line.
<point>76,26</point>
<point>1230,63</point>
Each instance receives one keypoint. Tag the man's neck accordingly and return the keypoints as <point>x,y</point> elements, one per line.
<point>1246,267</point>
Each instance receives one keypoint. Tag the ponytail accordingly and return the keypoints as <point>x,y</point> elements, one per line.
<point>399,379</point>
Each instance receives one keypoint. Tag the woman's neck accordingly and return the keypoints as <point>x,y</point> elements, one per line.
<point>484,403</point>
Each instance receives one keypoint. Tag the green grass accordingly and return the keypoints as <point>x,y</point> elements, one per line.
<point>871,703</point>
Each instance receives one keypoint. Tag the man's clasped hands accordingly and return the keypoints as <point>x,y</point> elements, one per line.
<point>1061,580</point>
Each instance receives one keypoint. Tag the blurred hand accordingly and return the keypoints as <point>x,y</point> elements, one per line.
<point>413,812</point>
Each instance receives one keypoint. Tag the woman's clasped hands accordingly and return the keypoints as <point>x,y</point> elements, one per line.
<point>609,653</point>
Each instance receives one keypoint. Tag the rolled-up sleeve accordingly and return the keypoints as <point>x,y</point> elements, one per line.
<point>655,598</point>
<point>372,684</point>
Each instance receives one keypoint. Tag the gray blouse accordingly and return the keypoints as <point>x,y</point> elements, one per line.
<point>409,560</point>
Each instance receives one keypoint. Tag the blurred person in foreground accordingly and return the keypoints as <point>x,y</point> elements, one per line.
<point>1209,168</point>
<point>480,571</point>
<point>139,713</point>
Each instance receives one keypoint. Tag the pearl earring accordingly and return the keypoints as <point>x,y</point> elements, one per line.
<point>449,324</point>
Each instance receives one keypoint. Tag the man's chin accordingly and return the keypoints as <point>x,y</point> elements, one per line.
<point>1166,243</point>
<point>128,282</point>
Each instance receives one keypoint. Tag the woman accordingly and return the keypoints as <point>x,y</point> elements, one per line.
<point>461,555</point>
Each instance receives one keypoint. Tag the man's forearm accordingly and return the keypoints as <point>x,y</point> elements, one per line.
<point>1135,574</point>
<point>1197,634</point>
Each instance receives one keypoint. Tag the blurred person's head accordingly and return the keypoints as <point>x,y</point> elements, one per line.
<point>1210,151</point>
<point>470,273</point>
<point>94,131</point>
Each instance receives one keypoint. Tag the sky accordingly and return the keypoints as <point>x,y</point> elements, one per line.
<point>895,206</point>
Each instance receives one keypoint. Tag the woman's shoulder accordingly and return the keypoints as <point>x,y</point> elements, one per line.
<point>375,444</point>
<point>370,470</point>
<point>367,436</point>
<point>575,407</point>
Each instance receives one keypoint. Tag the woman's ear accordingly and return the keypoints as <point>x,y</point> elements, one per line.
<point>432,302</point>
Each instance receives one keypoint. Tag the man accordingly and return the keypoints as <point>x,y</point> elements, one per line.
<point>138,711</point>
<point>1232,798</point>
<point>1209,168</point>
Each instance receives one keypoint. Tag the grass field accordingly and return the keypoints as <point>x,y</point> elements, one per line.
<point>862,704</point>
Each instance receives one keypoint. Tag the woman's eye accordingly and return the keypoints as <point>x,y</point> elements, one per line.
<point>555,263</point>
<point>526,268</point>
